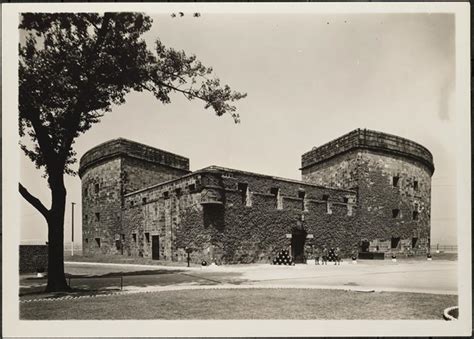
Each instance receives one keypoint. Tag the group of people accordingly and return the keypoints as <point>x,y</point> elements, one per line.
<point>332,254</point>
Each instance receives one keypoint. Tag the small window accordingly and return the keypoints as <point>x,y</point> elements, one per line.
<point>278,198</point>
<point>395,181</point>
<point>192,188</point>
<point>166,195</point>
<point>302,196</point>
<point>86,218</point>
<point>415,185</point>
<point>178,192</point>
<point>415,215</point>
<point>325,197</point>
<point>147,237</point>
<point>97,241</point>
<point>134,237</point>
<point>244,192</point>
<point>346,200</point>
<point>96,188</point>
<point>97,217</point>
<point>87,240</point>
<point>143,201</point>
<point>122,236</point>
<point>395,213</point>
<point>329,208</point>
<point>132,203</point>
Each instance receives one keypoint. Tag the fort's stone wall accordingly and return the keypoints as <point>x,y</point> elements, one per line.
<point>101,207</point>
<point>124,147</point>
<point>230,229</point>
<point>372,140</point>
<point>394,189</point>
<point>138,174</point>
<point>363,187</point>
<point>33,258</point>
<point>108,172</point>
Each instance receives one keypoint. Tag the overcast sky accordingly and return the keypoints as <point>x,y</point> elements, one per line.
<point>310,78</point>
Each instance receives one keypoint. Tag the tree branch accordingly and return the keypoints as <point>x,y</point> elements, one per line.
<point>75,118</point>
<point>35,202</point>
<point>187,94</point>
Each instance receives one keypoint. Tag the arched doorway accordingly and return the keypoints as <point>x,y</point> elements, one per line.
<point>298,238</point>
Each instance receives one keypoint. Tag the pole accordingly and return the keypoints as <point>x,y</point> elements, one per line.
<point>72,231</point>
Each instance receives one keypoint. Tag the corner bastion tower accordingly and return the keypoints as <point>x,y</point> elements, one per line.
<point>108,172</point>
<point>392,177</point>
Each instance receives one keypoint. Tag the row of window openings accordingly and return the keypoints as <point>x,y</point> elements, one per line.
<point>178,191</point>
<point>147,237</point>
<point>134,238</point>
<point>166,194</point>
<point>275,191</point>
<point>245,201</point>
<point>396,183</point>
<point>396,214</point>
<point>244,189</point>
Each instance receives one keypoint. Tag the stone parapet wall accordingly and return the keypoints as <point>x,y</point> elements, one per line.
<point>367,139</point>
<point>33,258</point>
<point>127,148</point>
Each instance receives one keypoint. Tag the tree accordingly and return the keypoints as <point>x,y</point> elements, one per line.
<point>72,68</point>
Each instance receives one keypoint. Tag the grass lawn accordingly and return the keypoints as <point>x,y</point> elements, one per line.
<point>247,304</point>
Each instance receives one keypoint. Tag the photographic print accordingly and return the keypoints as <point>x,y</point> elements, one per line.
<point>251,165</point>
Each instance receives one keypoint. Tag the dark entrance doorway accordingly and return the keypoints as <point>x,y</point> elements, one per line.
<point>364,245</point>
<point>155,247</point>
<point>298,238</point>
<point>394,242</point>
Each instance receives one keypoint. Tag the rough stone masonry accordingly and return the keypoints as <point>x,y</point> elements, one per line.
<point>365,191</point>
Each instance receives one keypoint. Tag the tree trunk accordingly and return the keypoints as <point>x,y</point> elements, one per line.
<point>56,277</point>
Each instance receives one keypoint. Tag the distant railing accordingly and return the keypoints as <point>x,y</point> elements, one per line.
<point>444,248</point>
<point>77,249</point>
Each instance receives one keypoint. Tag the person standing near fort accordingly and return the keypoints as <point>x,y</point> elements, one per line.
<point>325,256</point>
<point>337,256</point>
<point>317,255</point>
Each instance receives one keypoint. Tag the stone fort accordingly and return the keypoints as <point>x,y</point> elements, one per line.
<point>365,191</point>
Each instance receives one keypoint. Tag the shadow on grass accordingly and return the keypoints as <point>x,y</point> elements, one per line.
<point>37,292</point>
<point>116,281</point>
<point>108,275</point>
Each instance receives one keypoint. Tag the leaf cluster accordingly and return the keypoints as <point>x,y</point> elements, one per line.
<point>74,66</point>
